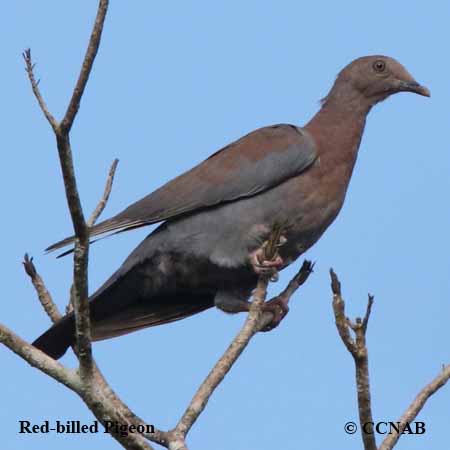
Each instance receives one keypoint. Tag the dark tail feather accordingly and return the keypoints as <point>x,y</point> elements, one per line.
<point>162,309</point>
<point>58,338</point>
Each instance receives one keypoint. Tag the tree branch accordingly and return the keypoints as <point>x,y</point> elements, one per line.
<point>256,320</point>
<point>225,363</point>
<point>117,406</point>
<point>91,52</point>
<point>104,200</point>
<point>38,359</point>
<point>62,130</point>
<point>29,67</point>
<point>81,252</point>
<point>58,372</point>
<point>416,406</point>
<point>299,279</point>
<point>43,294</point>
<point>103,401</point>
<point>358,349</point>
<point>94,400</point>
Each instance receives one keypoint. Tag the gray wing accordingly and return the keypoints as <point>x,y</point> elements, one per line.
<point>256,162</point>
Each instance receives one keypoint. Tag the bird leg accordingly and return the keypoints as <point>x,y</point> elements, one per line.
<point>278,307</point>
<point>262,265</point>
<point>231,301</point>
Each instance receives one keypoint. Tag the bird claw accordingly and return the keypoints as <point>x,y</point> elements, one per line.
<point>278,308</point>
<point>268,267</point>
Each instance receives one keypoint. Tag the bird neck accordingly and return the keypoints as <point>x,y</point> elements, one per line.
<point>337,131</point>
<point>345,98</point>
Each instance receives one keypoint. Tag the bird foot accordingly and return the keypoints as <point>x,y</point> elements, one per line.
<point>278,308</point>
<point>263,266</point>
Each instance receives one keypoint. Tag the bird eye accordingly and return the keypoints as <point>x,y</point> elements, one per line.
<point>379,65</point>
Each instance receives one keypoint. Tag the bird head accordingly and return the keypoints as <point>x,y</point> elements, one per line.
<point>374,78</point>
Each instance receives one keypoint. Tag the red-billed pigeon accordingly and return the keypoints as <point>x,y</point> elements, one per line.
<point>218,216</point>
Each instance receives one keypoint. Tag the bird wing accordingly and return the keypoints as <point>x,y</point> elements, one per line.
<point>258,161</point>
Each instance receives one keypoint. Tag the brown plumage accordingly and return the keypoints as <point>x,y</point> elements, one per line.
<point>219,214</point>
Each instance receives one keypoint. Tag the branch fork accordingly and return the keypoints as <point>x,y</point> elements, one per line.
<point>353,335</point>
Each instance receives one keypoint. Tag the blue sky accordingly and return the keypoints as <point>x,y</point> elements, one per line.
<point>173,82</point>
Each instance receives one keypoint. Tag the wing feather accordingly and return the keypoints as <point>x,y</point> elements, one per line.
<point>256,162</point>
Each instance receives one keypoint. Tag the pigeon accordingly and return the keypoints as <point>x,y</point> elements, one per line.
<point>217,218</point>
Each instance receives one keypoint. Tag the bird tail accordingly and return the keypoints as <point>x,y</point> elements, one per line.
<point>58,338</point>
<point>159,310</point>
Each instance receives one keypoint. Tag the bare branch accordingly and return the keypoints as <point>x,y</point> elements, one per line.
<point>358,349</point>
<point>40,360</point>
<point>255,321</point>
<point>97,402</point>
<point>91,52</point>
<point>85,327</point>
<point>416,406</point>
<point>102,203</point>
<point>81,305</point>
<point>299,279</point>
<point>43,294</point>
<point>367,315</point>
<point>125,415</point>
<point>335,283</point>
<point>93,218</point>
<point>107,406</point>
<point>225,363</point>
<point>102,401</point>
<point>81,252</point>
<point>342,323</point>
<point>29,67</point>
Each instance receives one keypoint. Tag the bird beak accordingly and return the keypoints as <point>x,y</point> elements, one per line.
<point>414,86</point>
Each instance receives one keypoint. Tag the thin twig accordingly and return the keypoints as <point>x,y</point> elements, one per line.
<point>368,312</point>
<point>255,321</point>
<point>416,406</point>
<point>29,67</point>
<point>91,52</point>
<point>342,322</point>
<point>102,203</point>
<point>299,279</point>
<point>225,363</point>
<point>358,349</point>
<point>93,218</point>
<point>43,294</point>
